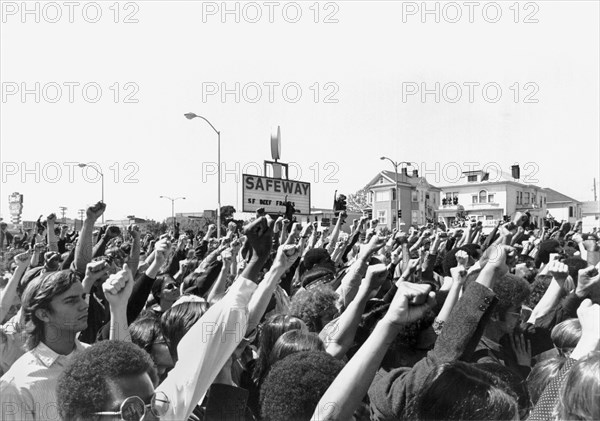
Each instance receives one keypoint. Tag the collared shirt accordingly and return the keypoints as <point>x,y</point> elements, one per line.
<point>28,389</point>
<point>205,348</point>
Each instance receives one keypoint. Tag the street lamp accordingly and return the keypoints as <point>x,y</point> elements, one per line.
<point>396,165</point>
<point>82,165</point>
<point>172,207</point>
<point>191,116</point>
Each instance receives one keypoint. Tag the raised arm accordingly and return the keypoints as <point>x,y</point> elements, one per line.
<point>134,253</point>
<point>348,389</point>
<point>9,292</point>
<point>52,240</point>
<point>117,290</point>
<point>339,335</point>
<point>83,250</point>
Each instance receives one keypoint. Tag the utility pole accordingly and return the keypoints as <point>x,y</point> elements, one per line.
<point>81,213</point>
<point>595,192</point>
<point>63,210</point>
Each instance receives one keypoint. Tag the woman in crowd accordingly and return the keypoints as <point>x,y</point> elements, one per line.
<point>277,323</point>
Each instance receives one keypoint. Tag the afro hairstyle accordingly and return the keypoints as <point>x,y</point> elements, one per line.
<point>294,386</point>
<point>84,387</point>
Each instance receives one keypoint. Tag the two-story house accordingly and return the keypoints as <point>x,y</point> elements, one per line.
<point>562,207</point>
<point>413,196</point>
<point>477,196</point>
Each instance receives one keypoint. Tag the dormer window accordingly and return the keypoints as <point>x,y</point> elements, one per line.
<point>380,180</point>
<point>472,178</point>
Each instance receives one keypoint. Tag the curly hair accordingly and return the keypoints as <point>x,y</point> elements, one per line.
<point>511,291</point>
<point>294,386</point>
<point>309,305</point>
<point>84,387</point>
<point>538,289</point>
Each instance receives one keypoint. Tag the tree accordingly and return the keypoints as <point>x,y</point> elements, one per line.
<point>358,202</point>
<point>156,228</point>
<point>227,212</point>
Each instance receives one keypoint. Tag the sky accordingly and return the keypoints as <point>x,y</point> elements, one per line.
<point>450,86</point>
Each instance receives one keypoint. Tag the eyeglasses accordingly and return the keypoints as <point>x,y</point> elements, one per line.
<point>170,287</point>
<point>134,408</point>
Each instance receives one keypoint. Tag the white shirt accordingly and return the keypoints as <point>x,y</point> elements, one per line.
<point>205,348</point>
<point>28,389</point>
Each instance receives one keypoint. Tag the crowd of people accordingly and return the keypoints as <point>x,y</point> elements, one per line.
<point>281,321</point>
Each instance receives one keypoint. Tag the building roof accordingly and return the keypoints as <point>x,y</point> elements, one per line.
<point>403,180</point>
<point>494,176</point>
<point>552,196</point>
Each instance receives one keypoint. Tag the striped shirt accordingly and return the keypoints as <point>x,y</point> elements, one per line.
<point>28,389</point>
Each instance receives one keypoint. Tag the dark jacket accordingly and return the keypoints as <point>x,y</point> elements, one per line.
<point>391,393</point>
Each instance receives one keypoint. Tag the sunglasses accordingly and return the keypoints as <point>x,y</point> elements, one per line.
<point>170,287</point>
<point>134,408</point>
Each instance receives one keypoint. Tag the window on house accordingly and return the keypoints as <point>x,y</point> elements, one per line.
<point>472,178</point>
<point>526,198</point>
<point>490,198</point>
<point>422,199</point>
<point>482,196</point>
<point>415,196</point>
<point>489,217</point>
<point>382,196</point>
<point>570,211</point>
<point>393,194</point>
<point>415,216</point>
<point>475,199</point>
<point>381,216</point>
<point>518,201</point>
<point>449,196</point>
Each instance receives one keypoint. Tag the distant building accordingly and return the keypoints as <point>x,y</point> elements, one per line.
<point>326,218</point>
<point>590,215</point>
<point>418,200</point>
<point>562,207</point>
<point>477,196</point>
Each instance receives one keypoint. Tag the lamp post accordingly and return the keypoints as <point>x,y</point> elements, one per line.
<point>191,116</point>
<point>172,207</point>
<point>396,165</point>
<point>82,165</point>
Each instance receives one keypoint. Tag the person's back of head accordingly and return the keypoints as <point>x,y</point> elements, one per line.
<point>294,386</point>
<point>541,375</point>
<point>514,381</point>
<point>268,334</point>
<point>295,341</point>
<point>178,320</point>
<point>565,336</point>
<point>87,385</point>
<point>460,391</point>
<point>315,306</point>
<point>579,396</point>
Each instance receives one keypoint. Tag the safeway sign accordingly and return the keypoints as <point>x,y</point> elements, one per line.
<point>270,193</point>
